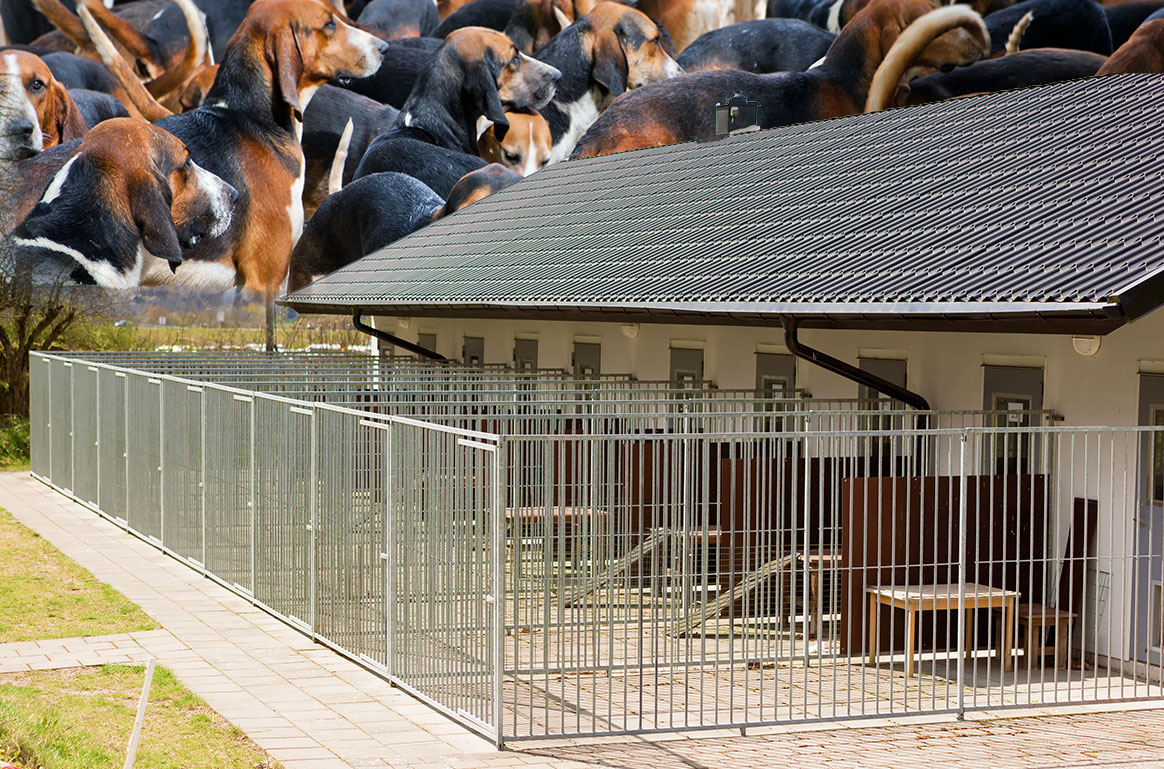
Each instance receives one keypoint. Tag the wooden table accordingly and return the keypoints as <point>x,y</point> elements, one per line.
<point>914,599</point>
<point>815,563</point>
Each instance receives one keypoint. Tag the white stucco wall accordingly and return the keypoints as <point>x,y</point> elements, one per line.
<point>944,367</point>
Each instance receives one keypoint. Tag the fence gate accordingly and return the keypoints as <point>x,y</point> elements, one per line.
<point>444,539</point>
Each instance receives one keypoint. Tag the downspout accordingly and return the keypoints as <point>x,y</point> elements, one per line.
<point>848,371</point>
<point>390,339</point>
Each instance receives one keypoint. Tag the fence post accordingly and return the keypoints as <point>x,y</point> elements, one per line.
<point>497,512</point>
<point>962,575</point>
<point>97,499</point>
<point>162,462</point>
<point>202,470</point>
<point>390,515</point>
<point>73,430</point>
<point>251,504</point>
<point>125,453</point>
<point>313,512</point>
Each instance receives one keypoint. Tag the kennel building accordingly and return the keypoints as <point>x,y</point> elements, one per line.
<point>825,422</point>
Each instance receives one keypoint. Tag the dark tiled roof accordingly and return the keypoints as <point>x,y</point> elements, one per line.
<point>1045,202</point>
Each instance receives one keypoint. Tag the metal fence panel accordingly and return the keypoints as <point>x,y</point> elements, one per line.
<point>227,463</point>
<point>86,458</point>
<point>144,453</point>
<point>182,468</point>
<point>40,411</point>
<point>283,499</point>
<point>61,424</point>
<point>112,487</point>
<point>443,556</point>
<point>349,571</point>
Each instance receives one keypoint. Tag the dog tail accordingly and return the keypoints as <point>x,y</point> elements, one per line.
<point>912,41</point>
<point>1020,29</point>
<point>142,99</point>
<point>59,16</point>
<point>195,55</point>
<point>335,179</point>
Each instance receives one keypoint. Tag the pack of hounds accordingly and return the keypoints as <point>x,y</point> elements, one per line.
<point>258,145</point>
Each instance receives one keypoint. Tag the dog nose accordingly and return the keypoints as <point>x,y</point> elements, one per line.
<point>232,193</point>
<point>23,127</point>
<point>381,46</point>
<point>555,73</point>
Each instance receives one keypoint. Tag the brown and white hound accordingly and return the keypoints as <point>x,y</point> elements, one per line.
<point>526,147</point>
<point>249,130</point>
<point>115,209</point>
<point>609,51</point>
<point>41,113</point>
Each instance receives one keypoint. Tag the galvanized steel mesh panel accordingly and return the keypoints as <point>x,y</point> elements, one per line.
<point>283,504</point>
<point>61,424</point>
<point>229,489</point>
<point>39,412</point>
<point>144,454</point>
<point>85,424</point>
<point>182,468</point>
<point>350,535</point>
<point>111,494</point>
<point>443,554</point>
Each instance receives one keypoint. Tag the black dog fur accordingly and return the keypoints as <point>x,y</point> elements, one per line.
<point>761,46</point>
<point>367,215</point>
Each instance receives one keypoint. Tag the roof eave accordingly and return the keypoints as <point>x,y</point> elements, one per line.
<point>990,317</point>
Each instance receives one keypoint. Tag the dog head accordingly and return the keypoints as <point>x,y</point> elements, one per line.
<point>526,147</point>
<point>129,199</point>
<point>36,112</point>
<point>306,43</point>
<point>628,49</point>
<point>497,76</point>
<point>474,186</point>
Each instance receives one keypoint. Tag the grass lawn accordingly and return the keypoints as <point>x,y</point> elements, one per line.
<point>81,718</point>
<point>43,594</point>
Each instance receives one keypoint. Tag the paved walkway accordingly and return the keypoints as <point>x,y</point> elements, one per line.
<point>309,707</point>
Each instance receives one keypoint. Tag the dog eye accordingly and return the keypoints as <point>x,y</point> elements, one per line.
<point>330,25</point>
<point>37,86</point>
<point>510,156</point>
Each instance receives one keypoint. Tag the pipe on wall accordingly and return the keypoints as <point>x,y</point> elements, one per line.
<point>848,371</point>
<point>395,340</point>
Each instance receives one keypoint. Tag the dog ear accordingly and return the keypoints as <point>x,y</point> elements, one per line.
<point>610,68</point>
<point>481,84</point>
<point>150,205</point>
<point>287,62</point>
<point>69,123</point>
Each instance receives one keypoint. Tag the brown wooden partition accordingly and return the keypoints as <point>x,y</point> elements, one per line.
<point>904,531</point>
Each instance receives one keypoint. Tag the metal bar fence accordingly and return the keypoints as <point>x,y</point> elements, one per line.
<point>287,502</point>
<point>591,558</point>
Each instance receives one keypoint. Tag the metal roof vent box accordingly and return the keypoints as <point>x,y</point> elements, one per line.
<point>737,115</point>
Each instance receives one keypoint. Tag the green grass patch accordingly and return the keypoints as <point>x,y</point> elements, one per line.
<point>81,718</point>
<point>15,443</point>
<point>44,594</point>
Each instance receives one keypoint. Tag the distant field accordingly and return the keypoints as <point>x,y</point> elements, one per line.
<point>298,335</point>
